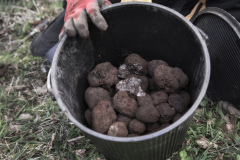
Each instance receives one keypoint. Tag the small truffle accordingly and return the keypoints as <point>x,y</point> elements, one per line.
<point>124,104</point>
<point>143,83</point>
<point>103,74</point>
<point>177,117</point>
<point>136,64</point>
<point>153,64</point>
<point>166,113</point>
<point>186,97</point>
<point>180,76</point>
<point>88,117</point>
<point>164,78</point>
<point>177,102</point>
<point>164,126</point>
<point>118,129</point>
<point>124,119</point>
<point>103,115</point>
<point>94,95</point>
<point>159,97</point>
<point>147,113</point>
<point>152,127</point>
<point>136,127</point>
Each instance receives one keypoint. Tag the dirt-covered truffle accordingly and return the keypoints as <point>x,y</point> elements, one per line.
<point>124,119</point>
<point>143,83</point>
<point>136,64</point>
<point>88,117</point>
<point>153,64</point>
<point>177,117</point>
<point>136,127</point>
<point>180,76</point>
<point>103,115</point>
<point>103,74</point>
<point>164,126</point>
<point>152,127</point>
<point>124,104</point>
<point>166,113</point>
<point>164,78</point>
<point>186,97</point>
<point>132,85</point>
<point>147,112</point>
<point>118,129</point>
<point>94,95</point>
<point>177,102</point>
<point>159,97</point>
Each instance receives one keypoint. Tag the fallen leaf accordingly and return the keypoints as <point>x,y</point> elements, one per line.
<point>203,142</point>
<point>41,90</point>
<point>75,139</point>
<point>20,87</point>
<point>13,127</point>
<point>25,116</point>
<point>220,157</point>
<point>53,138</point>
<point>81,153</point>
<point>28,92</point>
<point>230,123</point>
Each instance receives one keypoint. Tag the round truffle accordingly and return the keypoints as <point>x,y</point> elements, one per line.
<point>136,127</point>
<point>136,64</point>
<point>124,104</point>
<point>177,102</point>
<point>103,115</point>
<point>94,95</point>
<point>159,97</point>
<point>180,76</point>
<point>103,74</point>
<point>118,129</point>
<point>88,117</point>
<point>121,118</point>
<point>153,64</point>
<point>166,113</point>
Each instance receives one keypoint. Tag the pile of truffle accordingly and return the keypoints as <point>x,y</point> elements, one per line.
<point>138,98</point>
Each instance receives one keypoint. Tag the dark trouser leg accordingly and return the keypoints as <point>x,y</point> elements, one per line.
<point>45,43</point>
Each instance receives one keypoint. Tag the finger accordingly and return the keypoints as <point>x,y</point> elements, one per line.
<point>103,3</point>
<point>69,28</point>
<point>61,35</point>
<point>81,24</point>
<point>96,16</point>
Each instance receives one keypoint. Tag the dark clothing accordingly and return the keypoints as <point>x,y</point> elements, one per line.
<point>45,44</point>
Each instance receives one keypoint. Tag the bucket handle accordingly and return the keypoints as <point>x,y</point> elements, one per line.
<point>204,35</point>
<point>49,85</point>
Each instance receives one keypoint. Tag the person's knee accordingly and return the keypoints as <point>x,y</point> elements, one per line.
<point>37,47</point>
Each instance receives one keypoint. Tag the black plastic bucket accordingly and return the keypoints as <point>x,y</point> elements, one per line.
<point>154,32</point>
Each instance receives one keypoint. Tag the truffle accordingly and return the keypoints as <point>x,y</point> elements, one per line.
<point>118,129</point>
<point>136,64</point>
<point>136,127</point>
<point>159,97</point>
<point>166,113</point>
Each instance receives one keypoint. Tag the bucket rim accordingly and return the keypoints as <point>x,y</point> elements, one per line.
<point>173,126</point>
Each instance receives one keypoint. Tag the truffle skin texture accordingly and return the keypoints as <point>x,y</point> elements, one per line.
<point>153,64</point>
<point>177,117</point>
<point>103,74</point>
<point>177,102</point>
<point>136,127</point>
<point>152,85</point>
<point>88,117</point>
<point>118,129</point>
<point>103,115</point>
<point>136,64</point>
<point>166,113</point>
<point>152,127</point>
<point>180,76</point>
<point>164,78</point>
<point>159,97</point>
<point>94,95</point>
<point>124,104</point>
<point>147,113</point>
<point>121,118</point>
<point>186,97</point>
<point>143,83</point>
<point>164,126</point>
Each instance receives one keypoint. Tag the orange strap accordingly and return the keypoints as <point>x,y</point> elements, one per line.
<point>196,10</point>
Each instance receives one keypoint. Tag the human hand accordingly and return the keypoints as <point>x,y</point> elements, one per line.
<point>75,21</point>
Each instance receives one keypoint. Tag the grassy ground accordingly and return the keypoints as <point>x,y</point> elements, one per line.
<point>32,125</point>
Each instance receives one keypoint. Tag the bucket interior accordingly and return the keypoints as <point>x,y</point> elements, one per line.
<point>152,32</point>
